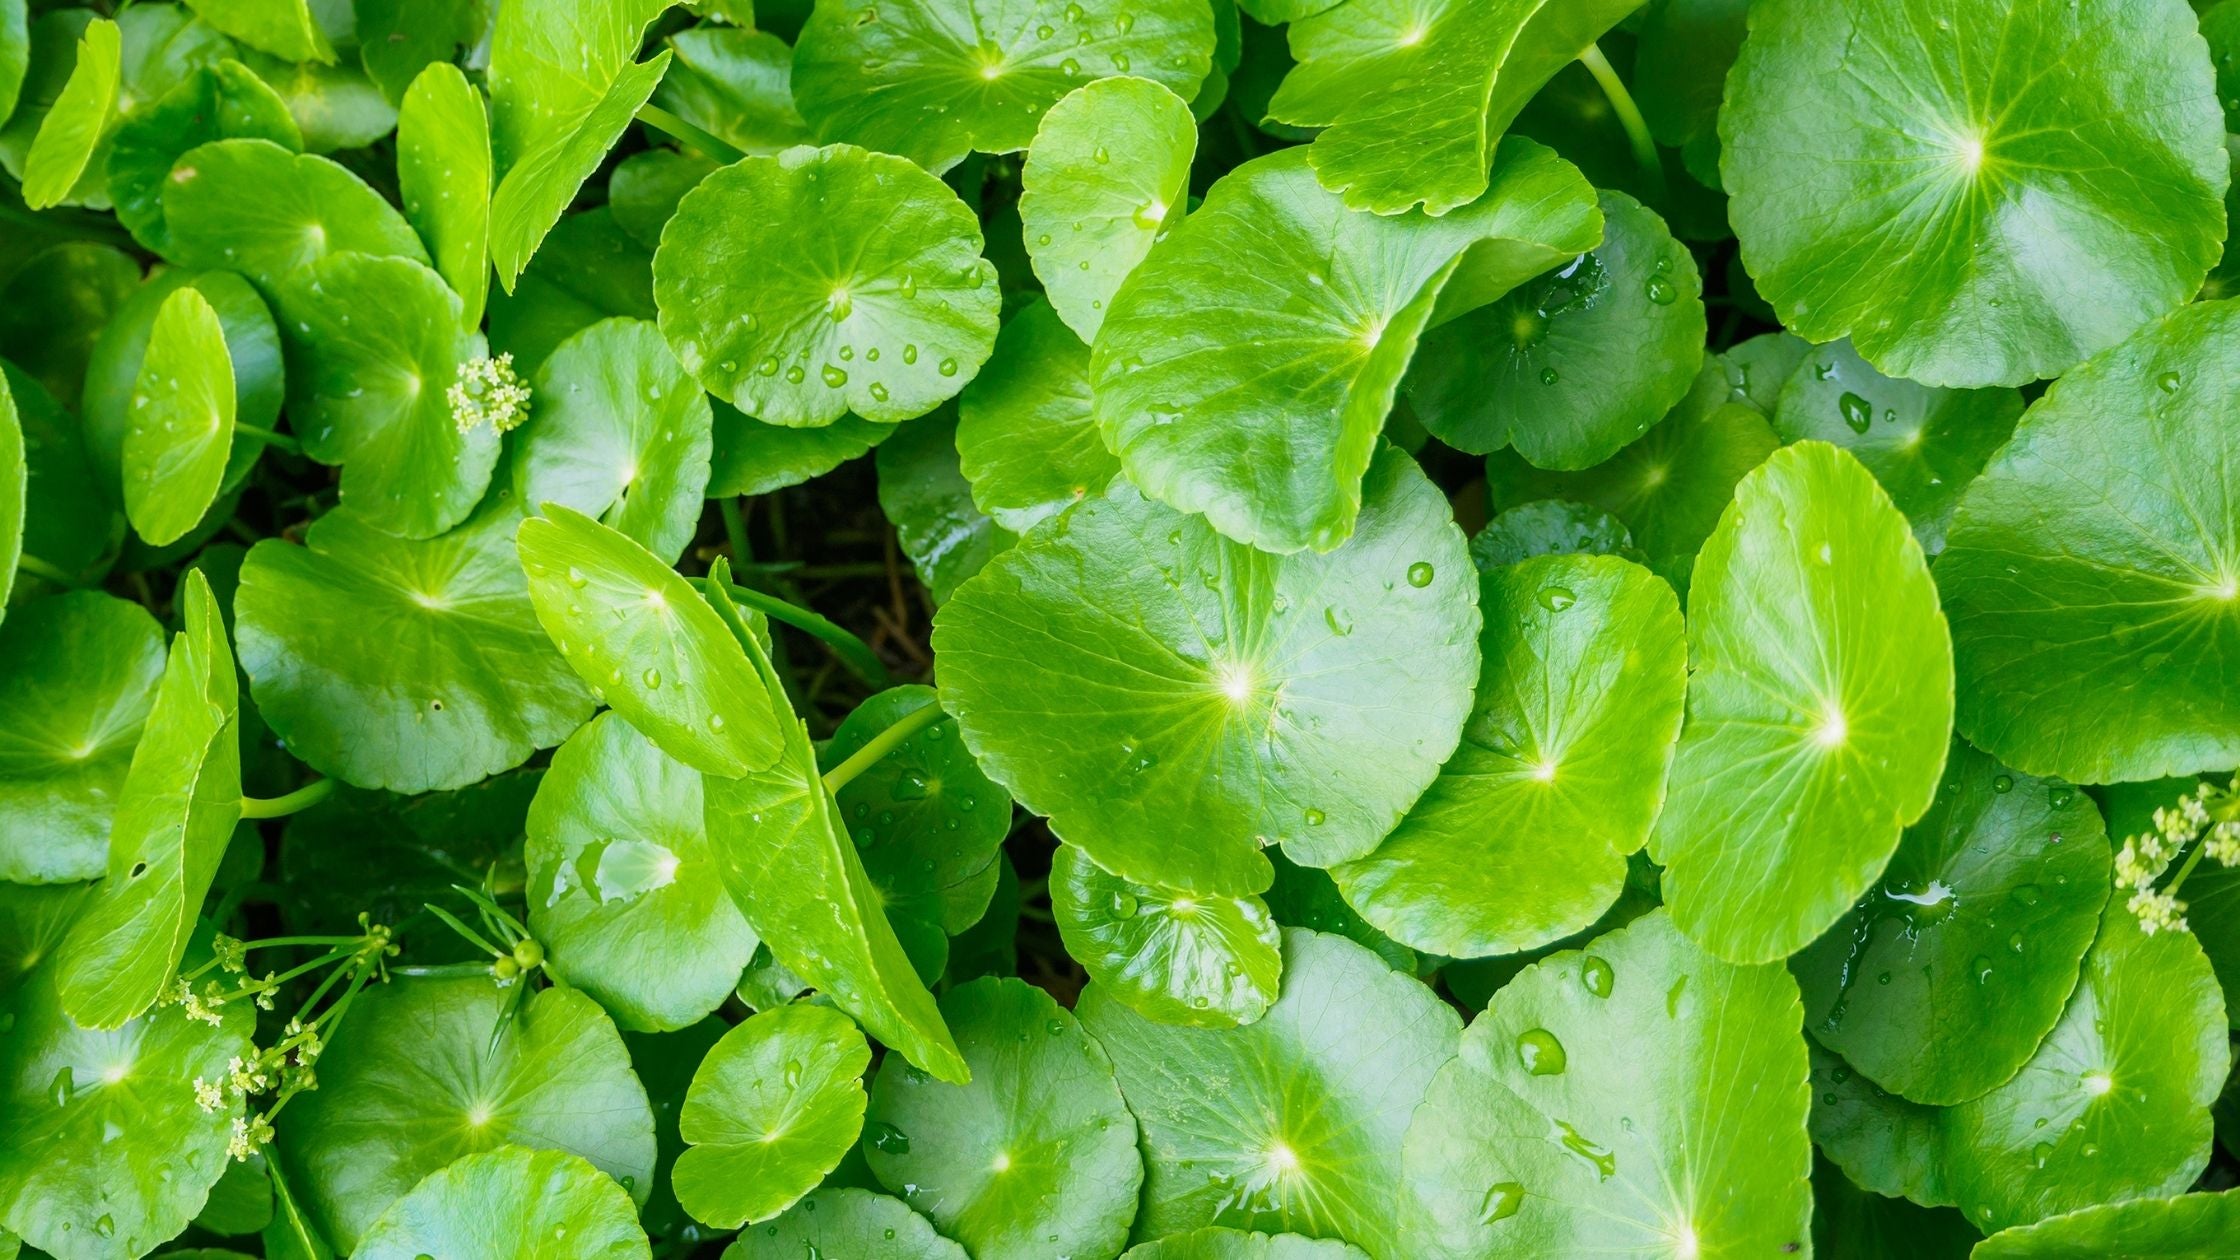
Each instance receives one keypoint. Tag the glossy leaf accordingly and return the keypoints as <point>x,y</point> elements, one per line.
<point>78,120</point>
<point>254,207</point>
<point>512,1203</point>
<point>1550,527</point>
<point>736,84</point>
<point>773,1108</point>
<point>217,102</point>
<point>443,176</point>
<point>846,1222</point>
<point>1027,435</point>
<point>181,434</point>
<point>1218,1243</point>
<point>284,28</point>
<point>1172,957</point>
<point>2187,1227</point>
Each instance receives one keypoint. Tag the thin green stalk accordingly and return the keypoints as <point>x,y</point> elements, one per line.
<point>851,651</point>
<point>734,530</point>
<point>38,568</point>
<point>278,441</point>
<point>68,228</point>
<point>2193,859</point>
<point>678,129</point>
<point>1629,117</point>
<point>881,744</point>
<point>302,798</point>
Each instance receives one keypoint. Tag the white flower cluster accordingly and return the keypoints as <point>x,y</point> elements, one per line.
<point>488,392</point>
<point>2209,814</point>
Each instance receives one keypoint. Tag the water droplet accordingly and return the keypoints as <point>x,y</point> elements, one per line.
<point>947,367</point>
<point>652,679</point>
<point>1858,413</point>
<point>909,352</point>
<point>2059,795</point>
<point>2003,784</point>
<point>1123,905</point>
<point>1420,574</point>
<point>2040,1153</point>
<point>1597,976</point>
<point>834,377</point>
<point>576,578</point>
<point>1338,619</point>
<point>1662,291</point>
<point>795,375</point>
<point>1054,1027</point>
<point>889,1140</point>
<point>1605,1163</point>
<point>793,1074</point>
<point>1557,598</point>
<point>106,1226</point>
<point>1540,1052</point>
<point>1501,1202</point>
<point>2014,942</point>
<point>1548,376</point>
<point>2168,382</point>
<point>2028,894</point>
<point>64,1087</point>
<point>912,786</point>
<point>1980,967</point>
<point>1069,68</point>
<point>1315,818</point>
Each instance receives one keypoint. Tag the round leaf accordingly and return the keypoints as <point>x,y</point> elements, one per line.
<point>1126,666</point>
<point>1946,976</point>
<point>78,120</point>
<point>443,176</point>
<point>1577,363</point>
<point>1550,527</point>
<point>934,80</point>
<point>1597,1106</point>
<point>1110,164</point>
<point>737,84</point>
<point>284,28</point>
<point>856,1224</point>
<point>218,102</point>
<point>15,491</point>
<point>773,1108</point>
<point>2188,1227</point>
<point>1216,1243</point>
<point>1027,434</point>
<point>1522,839</point>
<point>181,434</point>
<point>1293,1123</point>
<point>1986,182</point>
<point>1173,957</point>
<point>68,523</point>
<point>513,1203</point>
<point>55,306</point>
<point>587,270</point>
<point>424,1072</point>
<point>623,890</point>
<point>923,491</point>
<point>751,458</point>
<point>618,430</point>
<point>1035,1156</point>
<point>335,106</point>
<point>819,282</point>
<point>1819,707</point>
<point>2093,572</point>
<point>254,207</point>
<point>1261,406</point>
<point>79,677</point>
<point>461,683</point>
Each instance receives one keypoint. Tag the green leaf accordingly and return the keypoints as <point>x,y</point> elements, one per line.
<point>55,306</point>
<point>622,886</point>
<point>1125,666</point>
<point>825,281</point>
<point>2123,1085</point>
<point>751,458</point>
<point>1550,527</point>
<point>462,682</point>
<point>1261,408</point>
<point>1985,183</point>
<point>1216,1243</point>
<point>1522,839</point>
<point>2092,577</point>
<point>15,492</point>
<point>176,451</point>
<point>336,106</point>
<point>645,188</point>
<point>68,1093</point>
<point>240,1202</point>
<point>254,207</point>
<point>1412,97</point>
<point>2212,892</point>
<point>1853,1224</point>
<point>1815,734</point>
<point>398,39</point>
<point>926,822</point>
<point>1680,65</point>
<point>1036,1156</point>
<point>415,1079</point>
<point>773,1108</point>
<point>284,28</point>
<point>735,84</point>
<point>78,121</point>
<point>15,53</point>
<point>79,677</point>
<point>588,269</point>
<point>538,189</point>
<point>922,489</point>
<point>856,1224</point>
<point>1110,164</point>
<point>1943,980</point>
<point>1595,1108</point>
<point>1577,363</point>
<point>390,856</point>
<point>787,860</point>
<point>643,641</point>
<point>175,813</point>
<point>1293,1123</point>
<point>374,345</point>
<point>933,80</point>
<point>513,1203</point>
<point>443,175</point>
<point>216,102</point>
<point>1027,435</point>
<point>1173,957</point>
<point>1758,370</point>
<point>619,430</point>
<point>1924,444</point>
<point>2187,1227</point>
<point>68,522</point>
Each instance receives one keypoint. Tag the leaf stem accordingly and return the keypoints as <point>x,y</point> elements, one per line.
<point>280,441</point>
<point>685,133</point>
<point>302,798</point>
<point>881,744</point>
<point>1629,117</point>
<point>2193,859</point>
<point>852,651</point>
<point>38,568</point>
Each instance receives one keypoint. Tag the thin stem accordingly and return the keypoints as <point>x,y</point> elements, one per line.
<point>881,744</point>
<point>279,441</point>
<point>734,530</point>
<point>1629,117</point>
<point>2193,859</point>
<point>38,568</point>
<point>452,921</point>
<point>302,798</point>
<point>685,133</point>
<point>70,228</point>
<point>852,651</point>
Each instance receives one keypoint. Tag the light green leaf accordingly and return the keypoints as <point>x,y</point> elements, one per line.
<point>15,53</point>
<point>820,282</point>
<point>512,1203</point>
<point>1819,706</point>
<point>750,457</point>
<point>538,189</point>
<point>284,28</point>
<point>1550,527</point>
<point>551,63</point>
<point>1262,408</point>
<point>853,1223</point>
<point>735,84</point>
<point>1293,1123</point>
<point>175,452</point>
<point>1522,839</point>
<point>335,106</point>
<point>1969,147</point>
<point>773,1108</point>
<point>78,121</point>
<point>1217,1243</point>
<point>922,489</point>
<point>443,175</point>
<point>254,207</point>
<point>1027,434</point>
<point>1599,1105</point>
<point>1173,957</point>
<point>1110,166</point>
<point>175,813</point>
<point>54,307</point>
<point>644,189</point>
<point>414,1080</point>
<point>588,269</point>
<point>1946,976</point>
<point>643,641</point>
<point>461,683</point>
<point>622,886</point>
<point>1125,666</point>
<point>398,39</point>
<point>2093,572</point>
<point>2187,1227</point>
<point>933,80</point>
<point>15,492</point>
<point>216,102</point>
<point>1413,95</point>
